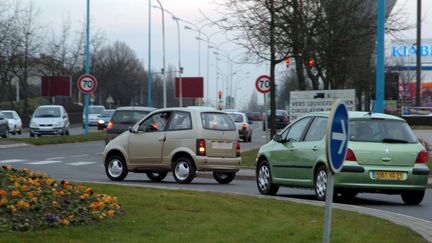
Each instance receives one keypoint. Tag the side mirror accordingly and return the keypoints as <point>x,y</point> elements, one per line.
<point>277,138</point>
<point>131,130</point>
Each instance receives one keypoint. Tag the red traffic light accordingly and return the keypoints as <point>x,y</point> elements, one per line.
<point>220,94</point>
<point>287,62</point>
<point>311,62</point>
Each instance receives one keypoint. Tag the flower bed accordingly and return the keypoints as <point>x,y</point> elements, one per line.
<point>34,201</point>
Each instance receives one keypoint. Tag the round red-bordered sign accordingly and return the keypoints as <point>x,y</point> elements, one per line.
<point>262,84</point>
<point>87,83</point>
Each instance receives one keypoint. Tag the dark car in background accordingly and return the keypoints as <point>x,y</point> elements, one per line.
<point>104,118</point>
<point>3,125</point>
<point>255,116</point>
<point>281,119</point>
<point>123,118</point>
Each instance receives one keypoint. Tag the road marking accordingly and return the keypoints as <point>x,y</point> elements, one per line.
<point>12,161</point>
<point>44,162</point>
<point>55,158</point>
<point>79,163</point>
<point>79,155</point>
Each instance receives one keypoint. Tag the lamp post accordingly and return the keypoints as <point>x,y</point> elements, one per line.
<point>87,68</point>
<point>149,76</point>
<point>163,55</point>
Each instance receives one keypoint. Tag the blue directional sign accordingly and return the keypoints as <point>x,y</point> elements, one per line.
<point>337,136</point>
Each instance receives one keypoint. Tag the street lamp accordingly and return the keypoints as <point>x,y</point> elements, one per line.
<point>163,55</point>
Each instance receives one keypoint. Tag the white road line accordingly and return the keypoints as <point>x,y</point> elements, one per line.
<point>55,158</point>
<point>79,163</point>
<point>79,155</point>
<point>12,161</point>
<point>44,162</point>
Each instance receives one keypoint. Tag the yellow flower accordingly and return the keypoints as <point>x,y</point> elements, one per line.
<point>12,208</point>
<point>62,193</point>
<point>3,201</point>
<point>55,204</point>
<point>64,222</point>
<point>9,167</point>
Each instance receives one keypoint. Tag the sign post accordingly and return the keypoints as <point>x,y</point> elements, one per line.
<point>337,136</point>
<point>87,84</point>
<point>262,84</point>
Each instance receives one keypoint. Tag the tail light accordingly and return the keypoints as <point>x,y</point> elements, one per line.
<point>244,126</point>
<point>422,157</point>
<point>109,126</point>
<point>350,155</point>
<point>238,150</point>
<point>285,119</point>
<point>201,147</point>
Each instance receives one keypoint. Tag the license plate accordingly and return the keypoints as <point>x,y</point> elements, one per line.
<point>221,145</point>
<point>387,175</point>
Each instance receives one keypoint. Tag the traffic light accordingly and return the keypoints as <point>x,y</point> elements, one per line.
<point>287,62</point>
<point>311,62</point>
<point>220,94</point>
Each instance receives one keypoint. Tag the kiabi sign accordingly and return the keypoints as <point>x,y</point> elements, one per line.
<point>406,51</point>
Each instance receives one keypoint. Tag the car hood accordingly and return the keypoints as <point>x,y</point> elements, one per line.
<point>44,120</point>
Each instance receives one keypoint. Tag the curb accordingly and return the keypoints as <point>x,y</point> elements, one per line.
<point>14,145</point>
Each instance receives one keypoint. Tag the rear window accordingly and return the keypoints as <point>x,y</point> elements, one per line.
<point>381,131</point>
<point>128,116</point>
<point>236,117</point>
<point>217,121</point>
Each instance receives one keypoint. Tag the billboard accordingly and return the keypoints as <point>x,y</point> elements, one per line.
<point>55,86</point>
<point>193,87</point>
<point>303,102</point>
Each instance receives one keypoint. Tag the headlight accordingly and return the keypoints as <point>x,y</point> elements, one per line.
<point>33,124</point>
<point>101,122</point>
<point>59,124</point>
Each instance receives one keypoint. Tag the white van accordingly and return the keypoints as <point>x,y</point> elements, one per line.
<point>49,120</point>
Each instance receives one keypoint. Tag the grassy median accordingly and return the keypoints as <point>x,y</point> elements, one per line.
<point>154,215</point>
<point>56,139</point>
<point>248,158</point>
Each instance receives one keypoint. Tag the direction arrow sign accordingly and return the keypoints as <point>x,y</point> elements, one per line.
<point>337,136</point>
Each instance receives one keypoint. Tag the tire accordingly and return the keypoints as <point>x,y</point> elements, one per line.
<point>13,131</point>
<point>156,176</point>
<point>224,177</point>
<point>250,138</point>
<point>116,168</point>
<point>264,179</point>
<point>183,170</point>
<point>5,135</point>
<point>320,181</point>
<point>67,132</point>
<point>19,132</point>
<point>412,197</point>
<point>31,134</point>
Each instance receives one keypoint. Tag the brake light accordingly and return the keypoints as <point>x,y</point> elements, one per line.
<point>238,150</point>
<point>201,147</point>
<point>422,157</point>
<point>109,126</point>
<point>350,155</point>
<point>244,126</point>
<point>285,119</point>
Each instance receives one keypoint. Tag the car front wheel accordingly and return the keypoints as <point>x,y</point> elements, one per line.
<point>224,177</point>
<point>156,176</point>
<point>183,170</point>
<point>412,197</point>
<point>321,183</point>
<point>264,179</point>
<point>116,168</point>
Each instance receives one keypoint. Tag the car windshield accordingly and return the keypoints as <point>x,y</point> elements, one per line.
<point>47,112</point>
<point>8,114</point>
<point>381,131</point>
<point>217,121</point>
<point>236,117</point>
<point>96,109</point>
<point>128,116</point>
<point>107,113</point>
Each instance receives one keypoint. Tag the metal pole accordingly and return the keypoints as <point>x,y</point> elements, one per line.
<point>328,208</point>
<point>207,75</point>
<point>149,75</point>
<point>379,89</point>
<point>17,91</point>
<point>87,69</point>
<point>418,56</point>
<point>180,68</point>
<point>163,56</point>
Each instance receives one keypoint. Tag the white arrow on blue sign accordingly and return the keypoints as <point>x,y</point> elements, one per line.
<point>337,136</point>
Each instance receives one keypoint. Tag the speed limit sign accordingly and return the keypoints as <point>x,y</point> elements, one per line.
<point>87,83</point>
<point>263,84</point>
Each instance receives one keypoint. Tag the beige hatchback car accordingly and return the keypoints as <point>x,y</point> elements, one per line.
<point>181,140</point>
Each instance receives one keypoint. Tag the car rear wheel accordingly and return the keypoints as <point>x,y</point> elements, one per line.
<point>224,177</point>
<point>412,197</point>
<point>116,168</point>
<point>156,176</point>
<point>321,183</point>
<point>13,131</point>
<point>5,135</point>
<point>183,170</point>
<point>264,179</point>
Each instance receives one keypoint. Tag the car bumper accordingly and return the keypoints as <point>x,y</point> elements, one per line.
<point>50,131</point>
<point>362,178</point>
<point>217,164</point>
<point>243,133</point>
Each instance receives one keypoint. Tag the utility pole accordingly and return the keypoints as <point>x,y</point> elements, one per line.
<point>418,56</point>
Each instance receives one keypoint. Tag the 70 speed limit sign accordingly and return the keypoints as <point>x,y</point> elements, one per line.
<point>263,84</point>
<point>87,83</point>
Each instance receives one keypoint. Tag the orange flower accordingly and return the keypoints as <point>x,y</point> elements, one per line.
<point>30,194</point>
<point>111,213</point>
<point>94,205</point>
<point>55,204</point>
<point>23,204</point>
<point>62,193</point>
<point>49,181</point>
<point>64,222</point>
<point>3,192</point>
<point>84,196</point>
<point>3,201</point>
<point>101,205</point>
<point>15,193</point>
<point>23,188</point>
<point>12,208</point>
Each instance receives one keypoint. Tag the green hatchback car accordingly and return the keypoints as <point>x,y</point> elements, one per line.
<point>383,156</point>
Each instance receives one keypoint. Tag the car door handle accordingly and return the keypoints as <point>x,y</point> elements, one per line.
<point>315,148</point>
<point>162,139</point>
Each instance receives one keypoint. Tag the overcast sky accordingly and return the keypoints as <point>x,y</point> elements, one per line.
<point>127,21</point>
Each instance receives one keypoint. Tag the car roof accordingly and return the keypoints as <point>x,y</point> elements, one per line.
<point>50,106</point>
<point>206,108</point>
<point>135,108</point>
<point>360,115</point>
